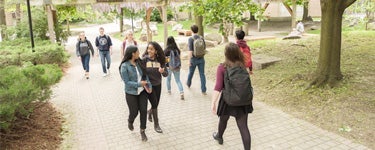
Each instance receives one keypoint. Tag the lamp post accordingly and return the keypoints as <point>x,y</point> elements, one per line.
<point>30,25</point>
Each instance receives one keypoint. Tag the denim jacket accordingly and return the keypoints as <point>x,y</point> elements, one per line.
<point>130,78</point>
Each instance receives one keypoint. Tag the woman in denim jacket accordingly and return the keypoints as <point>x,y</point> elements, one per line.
<point>136,85</point>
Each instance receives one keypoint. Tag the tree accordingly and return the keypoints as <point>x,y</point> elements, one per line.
<point>2,17</point>
<point>328,71</point>
<point>217,11</point>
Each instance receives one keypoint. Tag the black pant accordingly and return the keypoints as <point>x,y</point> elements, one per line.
<point>137,103</point>
<point>242,126</point>
<point>154,96</point>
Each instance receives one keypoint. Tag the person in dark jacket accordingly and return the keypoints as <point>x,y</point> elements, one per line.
<point>154,60</point>
<point>83,48</point>
<point>103,43</point>
<point>233,57</point>
<point>136,83</point>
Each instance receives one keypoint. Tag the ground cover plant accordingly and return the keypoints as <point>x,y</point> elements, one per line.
<point>348,110</point>
<point>27,121</point>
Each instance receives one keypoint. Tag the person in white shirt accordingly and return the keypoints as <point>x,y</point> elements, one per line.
<point>300,28</point>
<point>129,40</point>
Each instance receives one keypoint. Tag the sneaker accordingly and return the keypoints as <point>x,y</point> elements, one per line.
<point>182,96</point>
<point>169,92</point>
<point>87,75</point>
<point>108,72</point>
<point>204,93</point>
<point>104,74</point>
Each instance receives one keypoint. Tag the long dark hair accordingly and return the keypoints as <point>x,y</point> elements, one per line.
<point>160,56</point>
<point>233,56</point>
<point>129,55</point>
<point>171,45</point>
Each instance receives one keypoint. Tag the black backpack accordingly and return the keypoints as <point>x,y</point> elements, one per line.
<point>237,87</point>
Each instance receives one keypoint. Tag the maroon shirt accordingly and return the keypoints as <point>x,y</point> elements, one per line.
<point>219,78</point>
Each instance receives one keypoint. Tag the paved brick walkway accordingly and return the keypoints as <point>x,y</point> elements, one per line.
<point>96,114</point>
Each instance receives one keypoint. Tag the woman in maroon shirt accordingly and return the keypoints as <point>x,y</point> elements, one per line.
<point>233,57</point>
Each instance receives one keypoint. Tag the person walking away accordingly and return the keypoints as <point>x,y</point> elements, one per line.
<point>233,60</point>
<point>154,59</point>
<point>103,43</point>
<point>83,48</point>
<point>197,50</point>
<point>173,53</point>
<point>135,80</point>
<point>245,50</point>
<point>129,40</point>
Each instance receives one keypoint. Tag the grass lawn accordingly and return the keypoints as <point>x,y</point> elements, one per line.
<point>348,110</point>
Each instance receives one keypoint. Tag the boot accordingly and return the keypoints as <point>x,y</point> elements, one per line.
<point>130,126</point>
<point>143,135</point>
<point>149,112</point>
<point>156,121</point>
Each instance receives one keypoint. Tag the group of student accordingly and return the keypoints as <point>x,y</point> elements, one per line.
<point>142,76</point>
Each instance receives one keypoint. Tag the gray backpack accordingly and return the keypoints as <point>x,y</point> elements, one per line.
<point>199,47</point>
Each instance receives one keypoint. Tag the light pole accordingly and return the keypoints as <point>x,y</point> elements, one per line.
<point>30,25</point>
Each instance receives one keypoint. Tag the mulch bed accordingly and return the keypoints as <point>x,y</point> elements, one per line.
<point>41,130</point>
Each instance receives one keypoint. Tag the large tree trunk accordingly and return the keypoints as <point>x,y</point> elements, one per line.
<point>305,11</point>
<point>2,18</point>
<point>199,22</point>
<point>18,13</point>
<point>328,71</point>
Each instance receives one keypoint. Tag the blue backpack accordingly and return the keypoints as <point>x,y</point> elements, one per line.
<point>174,60</point>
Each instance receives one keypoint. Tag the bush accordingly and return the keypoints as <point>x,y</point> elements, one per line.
<point>21,86</point>
<point>14,53</point>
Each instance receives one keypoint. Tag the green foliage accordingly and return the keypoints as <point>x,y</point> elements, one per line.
<point>21,86</point>
<point>217,11</point>
<point>155,15</point>
<point>14,53</point>
<point>69,13</point>
<point>130,12</point>
<point>39,22</point>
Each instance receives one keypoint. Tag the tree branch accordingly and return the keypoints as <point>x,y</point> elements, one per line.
<point>288,8</point>
<point>347,3</point>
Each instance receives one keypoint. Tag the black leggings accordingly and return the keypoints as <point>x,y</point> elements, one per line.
<point>242,126</point>
<point>137,103</point>
<point>154,96</point>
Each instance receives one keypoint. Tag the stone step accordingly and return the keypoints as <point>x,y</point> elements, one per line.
<point>261,61</point>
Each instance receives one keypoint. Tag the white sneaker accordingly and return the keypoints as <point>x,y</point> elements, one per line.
<point>104,74</point>
<point>108,72</point>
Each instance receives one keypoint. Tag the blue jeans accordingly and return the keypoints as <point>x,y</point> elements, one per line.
<point>85,59</point>
<point>194,62</point>
<point>176,74</point>
<point>105,55</point>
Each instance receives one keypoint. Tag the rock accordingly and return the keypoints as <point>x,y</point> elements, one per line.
<point>177,27</point>
<point>261,61</point>
<point>293,35</point>
<point>371,26</point>
<point>171,23</point>
<point>210,44</point>
<point>143,37</point>
<point>214,37</point>
<point>314,27</point>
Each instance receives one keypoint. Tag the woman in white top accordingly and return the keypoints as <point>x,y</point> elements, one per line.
<point>129,40</point>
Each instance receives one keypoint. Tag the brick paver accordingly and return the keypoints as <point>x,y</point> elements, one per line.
<point>96,114</point>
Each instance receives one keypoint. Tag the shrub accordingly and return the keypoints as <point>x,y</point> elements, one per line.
<point>21,86</point>
<point>20,53</point>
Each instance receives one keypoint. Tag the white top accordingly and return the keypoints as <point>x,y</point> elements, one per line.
<point>300,27</point>
<point>129,43</point>
<point>140,89</point>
